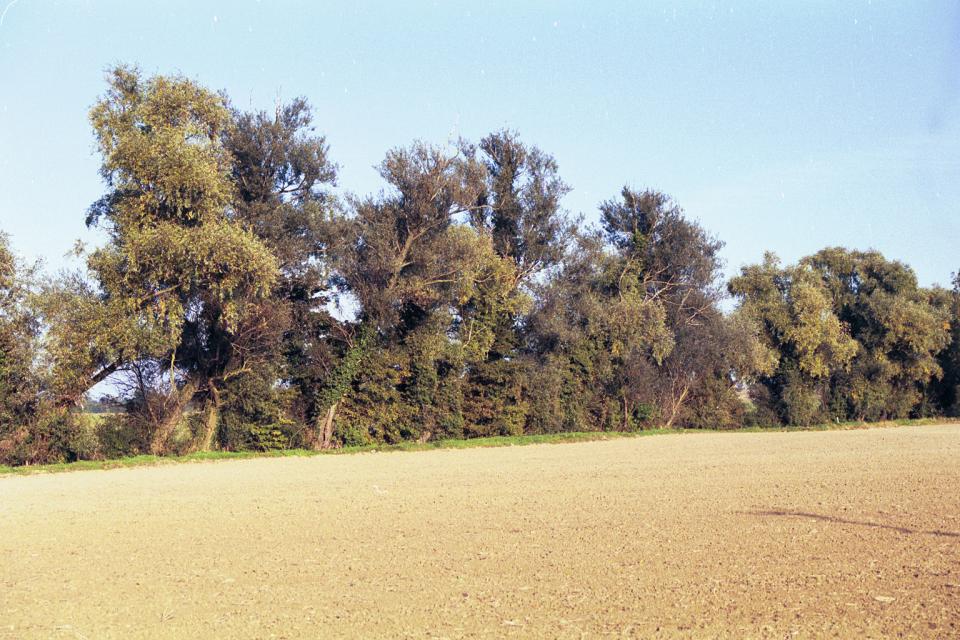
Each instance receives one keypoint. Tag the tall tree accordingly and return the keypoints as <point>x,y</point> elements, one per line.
<point>20,386</point>
<point>403,260</point>
<point>793,310</point>
<point>676,263</point>
<point>519,208</point>
<point>519,204</point>
<point>283,176</point>
<point>599,335</point>
<point>176,268</point>
<point>898,330</point>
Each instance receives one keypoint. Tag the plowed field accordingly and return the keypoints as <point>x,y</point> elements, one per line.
<point>763,535</point>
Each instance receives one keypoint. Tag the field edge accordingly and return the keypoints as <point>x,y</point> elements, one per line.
<point>465,443</point>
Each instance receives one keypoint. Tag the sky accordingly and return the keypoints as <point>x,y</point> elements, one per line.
<point>781,126</point>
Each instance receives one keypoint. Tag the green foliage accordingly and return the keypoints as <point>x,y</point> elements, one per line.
<point>270,437</point>
<point>282,171</point>
<point>376,404</point>
<point>519,205</point>
<point>795,312</point>
<point>120,434</point>
<point>944,395</point>
<point>495,399</point>
<point>178,274</point>
<point>856,337</point>
<point>642,415</point>
<point>763,409</point>
<point>239,305</point>
<point>20,382</point>
<point>557,397</point>
<point>799,329</point>
<point>898,330</point>
<point>50,435</point>
<point>802,401</point>
<point>169,174</point>
<point>335,385</point>
<point>252,407</point>
<point>352,435</point>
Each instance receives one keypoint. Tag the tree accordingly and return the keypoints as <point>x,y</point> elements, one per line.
<point>600,330</point>
<point>676,263</point>
<point>797,324</point>
<point>946,391</point>
<point>519,207</point>
<point>20,384</point>
<point>898,330</point>
<point>176,268</point>
<point>519,204</point>
<point>699,384</point>
<point>240,303</point>
<point>409,266</point>
<point>283,174</point>
<point>622,325</point>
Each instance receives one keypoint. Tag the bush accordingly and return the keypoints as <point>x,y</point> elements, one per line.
<point>350,434</point>
<point>802,405</point>
<point>53,435</point>
<point>120,434</point>
<point>270,437</point>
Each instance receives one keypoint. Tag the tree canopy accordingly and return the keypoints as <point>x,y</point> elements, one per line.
<point>241,301</point>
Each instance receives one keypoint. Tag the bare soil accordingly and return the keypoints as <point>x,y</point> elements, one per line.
<point>745,535</point>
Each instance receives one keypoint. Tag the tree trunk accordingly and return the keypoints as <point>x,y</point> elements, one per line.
<point>338,383</point>
<point>324,439</point>
<point>158,445</point>
<point>626,414</point>
<point>211,419</point>
<point>675,404</point>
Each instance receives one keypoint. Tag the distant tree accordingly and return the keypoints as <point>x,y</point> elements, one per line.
<point>898,330</point>
<point>672,258</point>
<point>629,331</point>
<point>239,303</point>
<point>519,204</point>
<point>677,263</point>
<point>714,359</point>
<point>599,335</point>
<point>856,337</point>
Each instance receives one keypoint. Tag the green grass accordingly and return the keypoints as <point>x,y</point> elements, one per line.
<point>496,441</point>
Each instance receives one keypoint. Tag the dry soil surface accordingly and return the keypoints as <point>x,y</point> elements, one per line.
<point>772,535</point>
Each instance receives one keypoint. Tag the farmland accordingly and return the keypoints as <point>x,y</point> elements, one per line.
<point>832,533</point>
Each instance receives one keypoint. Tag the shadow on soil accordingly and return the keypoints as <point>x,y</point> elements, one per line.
<point>862,523</point>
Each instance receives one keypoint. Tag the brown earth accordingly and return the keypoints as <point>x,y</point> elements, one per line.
<point>763,535</point>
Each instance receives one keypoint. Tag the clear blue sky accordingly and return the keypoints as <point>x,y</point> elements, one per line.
<point>781,126</point>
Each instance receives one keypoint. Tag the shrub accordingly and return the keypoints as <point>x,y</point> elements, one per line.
<point>350,434</point>
<point>120,434</point>
<point>53,435</point>
<point>802,404</point>
<point>270,437</point>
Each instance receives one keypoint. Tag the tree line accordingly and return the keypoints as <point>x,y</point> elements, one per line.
<point>239,303</point>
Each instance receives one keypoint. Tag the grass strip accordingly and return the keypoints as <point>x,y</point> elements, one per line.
<point>468,443</point>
